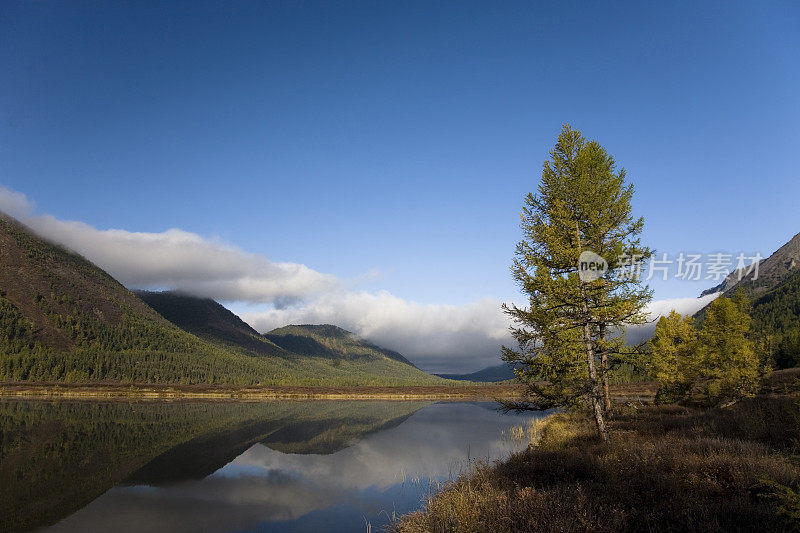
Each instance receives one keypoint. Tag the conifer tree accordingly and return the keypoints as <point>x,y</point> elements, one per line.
<point>726,355</point>
<point>583,204</point>
<point>674,356</point>
<point>719,362</point>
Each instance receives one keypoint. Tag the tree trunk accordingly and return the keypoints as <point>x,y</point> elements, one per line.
<point>606,392</point>
<point>588,343</point>
<point>604,372</point>
<point>595,385</point>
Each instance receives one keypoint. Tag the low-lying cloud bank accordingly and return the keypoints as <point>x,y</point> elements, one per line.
<point>175,259</point>
<point>436,337</point>
<point>659,308</point>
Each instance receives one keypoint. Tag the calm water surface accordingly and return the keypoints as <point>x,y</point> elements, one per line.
<point>273,466</point>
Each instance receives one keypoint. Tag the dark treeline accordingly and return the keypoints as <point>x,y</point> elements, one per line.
<point>776,319</point>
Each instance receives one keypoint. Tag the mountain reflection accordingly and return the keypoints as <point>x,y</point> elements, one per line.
<point>283,466</point>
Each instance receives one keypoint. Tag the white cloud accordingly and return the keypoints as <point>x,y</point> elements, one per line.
<point>14,203</point>
<point>684,306</point>
<point>175,259</point>
<point>659,308</point>
<point>436,337</point>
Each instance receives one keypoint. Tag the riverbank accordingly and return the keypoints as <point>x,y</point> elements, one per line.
<point>173,392</point>
<point>165,392</point>
<point>666,468</point>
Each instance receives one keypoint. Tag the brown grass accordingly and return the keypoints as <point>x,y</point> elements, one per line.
<point>453,391</point>
<point>110,390</point>
<point>666,468</point>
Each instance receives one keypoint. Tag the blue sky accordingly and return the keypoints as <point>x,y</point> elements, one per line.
<point>390,144</point>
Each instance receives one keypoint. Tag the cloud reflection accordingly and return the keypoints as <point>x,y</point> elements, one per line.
<point>263,488</point>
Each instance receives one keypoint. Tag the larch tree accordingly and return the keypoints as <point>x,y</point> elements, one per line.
<point>576,312</point>
<point>719,363</point>
<point>726,355</point>
<point>674,361</point>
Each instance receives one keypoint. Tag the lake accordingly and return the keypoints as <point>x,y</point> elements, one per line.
<point>268,466</point>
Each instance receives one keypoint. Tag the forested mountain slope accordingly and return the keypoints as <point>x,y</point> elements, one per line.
<point>325,340</point>
<point>209,320</point>
<point>64,318</point>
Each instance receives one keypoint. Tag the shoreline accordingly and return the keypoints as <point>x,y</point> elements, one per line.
<point>567,479</point>
<point>172,392</point>
<point>665,468</point>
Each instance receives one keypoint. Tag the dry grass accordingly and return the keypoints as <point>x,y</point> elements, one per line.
<point>666,468</point>
<point>454,391</point>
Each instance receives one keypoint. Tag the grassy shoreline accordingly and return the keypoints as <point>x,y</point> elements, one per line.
<point>170,392</point>
<point>666,468</point>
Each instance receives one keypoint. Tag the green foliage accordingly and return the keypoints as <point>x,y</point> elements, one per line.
<point>555,372</point>
<point>583,203</point>
<point>726,354</point>
<point>624,373</point>
<point>17,334</point>
<point>776,323</point>
<point>206,364</point>
<point>674,345</point>
<point>775,330</point>
<point>786,500</point>
<point>720,359</point>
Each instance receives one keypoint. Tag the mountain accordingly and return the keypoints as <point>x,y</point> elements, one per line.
<point>64,318</point>
<point>210,321</point>
<point>775,298</point>
<point>214,323</point>
<point>54,299</point>
<point>771,271</point>
<point>776,319</point>
<point>330,341</point>
<point>490,374</point>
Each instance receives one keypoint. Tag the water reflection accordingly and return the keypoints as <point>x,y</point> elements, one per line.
<point>279,466</point>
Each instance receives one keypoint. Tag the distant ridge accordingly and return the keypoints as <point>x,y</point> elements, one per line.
<point>490,374</point>
<point>209,320</point>
<point>326,340</point>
